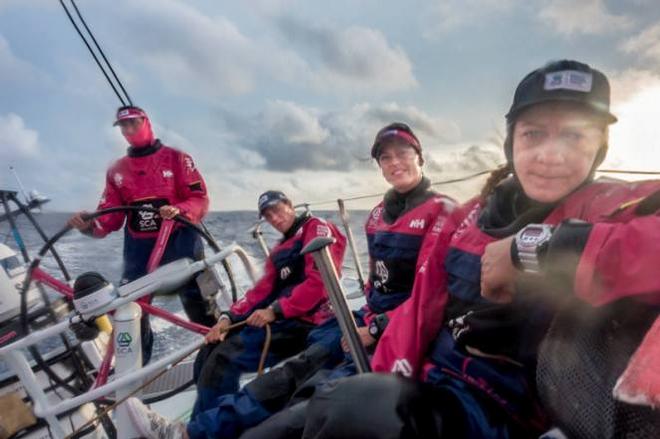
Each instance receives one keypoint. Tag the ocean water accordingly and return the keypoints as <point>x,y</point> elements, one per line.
<point>81,253</point>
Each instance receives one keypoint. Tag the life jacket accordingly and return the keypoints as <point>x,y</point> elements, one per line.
<point>394,248</point>
<point>291,283</point>
<point>448,331</point>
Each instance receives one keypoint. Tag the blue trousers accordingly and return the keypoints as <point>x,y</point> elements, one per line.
<point>233,413</point>
<point>183,243</point>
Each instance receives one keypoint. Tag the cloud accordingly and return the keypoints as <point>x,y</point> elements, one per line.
<point>646,44</point>
<point>635,138</point>
<point>291,137</point>
<point>241,188</point>
<point>448,15</point>
<point>355,58</point>
<point>191,53</point>
<point>194,54</point>
<point>587,17</point>
<point>17,141</point>
<point>15,70</point>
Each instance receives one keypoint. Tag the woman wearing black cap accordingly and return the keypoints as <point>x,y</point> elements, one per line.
<point>543,232</point>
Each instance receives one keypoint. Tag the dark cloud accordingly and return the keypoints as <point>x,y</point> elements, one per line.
<point>358,58</point>
<point>290,137</point>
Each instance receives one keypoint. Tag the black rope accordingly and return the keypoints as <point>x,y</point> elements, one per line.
<point>469,177</point>
<point>92,53</point>
<point>380,194</point>
<point>82,20</point>
<point>620,171</point>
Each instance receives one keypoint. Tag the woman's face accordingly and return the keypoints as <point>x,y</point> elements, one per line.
<point>130,126</point>
<point>400,166</point>
<point>554,148</point>
<point>281,216</point>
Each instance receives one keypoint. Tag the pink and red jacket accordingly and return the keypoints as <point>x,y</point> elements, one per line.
<point>291,283</point>
<point>162,176</point>
<point>394,250</point>
<point>615,261</point>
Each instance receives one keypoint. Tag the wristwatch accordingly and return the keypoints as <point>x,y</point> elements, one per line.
<point>531,243</point>
<point>378,325</point>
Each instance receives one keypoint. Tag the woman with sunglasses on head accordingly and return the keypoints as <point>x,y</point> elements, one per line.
<point>156,176</point>
<point>542,232</point>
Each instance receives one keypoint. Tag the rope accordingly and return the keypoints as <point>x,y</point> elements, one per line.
<point>264,351</point>
<point>260,371</point>
<point>469,177</point>
<point>620,171</point>
<point>380,194</point>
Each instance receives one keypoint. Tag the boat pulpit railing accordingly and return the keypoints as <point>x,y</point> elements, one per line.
<point>164,278</point>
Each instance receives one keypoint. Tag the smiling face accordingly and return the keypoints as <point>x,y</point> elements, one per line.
<point>554,149</point>
<point>281,216</point>
<point>400,165</point>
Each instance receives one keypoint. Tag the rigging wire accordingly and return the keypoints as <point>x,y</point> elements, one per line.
<point>465,178</point>
<point>92,53</point>
<point>98,47</point>
<point>621,171</point>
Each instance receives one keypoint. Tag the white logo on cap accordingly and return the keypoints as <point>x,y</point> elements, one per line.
<point>263,199</point>
<point>123,113</point>
<point>568,80</point>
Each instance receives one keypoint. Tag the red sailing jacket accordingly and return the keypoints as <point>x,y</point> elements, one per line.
<point>166,176</point>
<point>291,281</point>
<point>394,251</point>
<point>616,262</point>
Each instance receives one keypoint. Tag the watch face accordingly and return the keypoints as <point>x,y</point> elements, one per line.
<point>532,235</point>
<point>373,330</point>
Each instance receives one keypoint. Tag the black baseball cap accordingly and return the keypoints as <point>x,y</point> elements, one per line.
<point>399,130</point>
<point>564,80</point>
<point>270,198</point>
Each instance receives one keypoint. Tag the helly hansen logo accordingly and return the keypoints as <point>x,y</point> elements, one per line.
<point>373,220</point>
<point>403,367</point>
<point>167,173</point>
<point>285,272</point>
<point>322,230</point>
<point>416,224</point>
<point>382,273</point>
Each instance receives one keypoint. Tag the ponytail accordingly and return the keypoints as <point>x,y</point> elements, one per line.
<point>495,178</point>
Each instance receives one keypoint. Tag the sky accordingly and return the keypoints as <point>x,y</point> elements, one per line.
<point>279,94</point>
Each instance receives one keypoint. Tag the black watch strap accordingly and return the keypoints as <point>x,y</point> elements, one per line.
<point>378,325</point>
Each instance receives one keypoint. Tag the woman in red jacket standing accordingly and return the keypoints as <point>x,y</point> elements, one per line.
<point>156,176</point>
